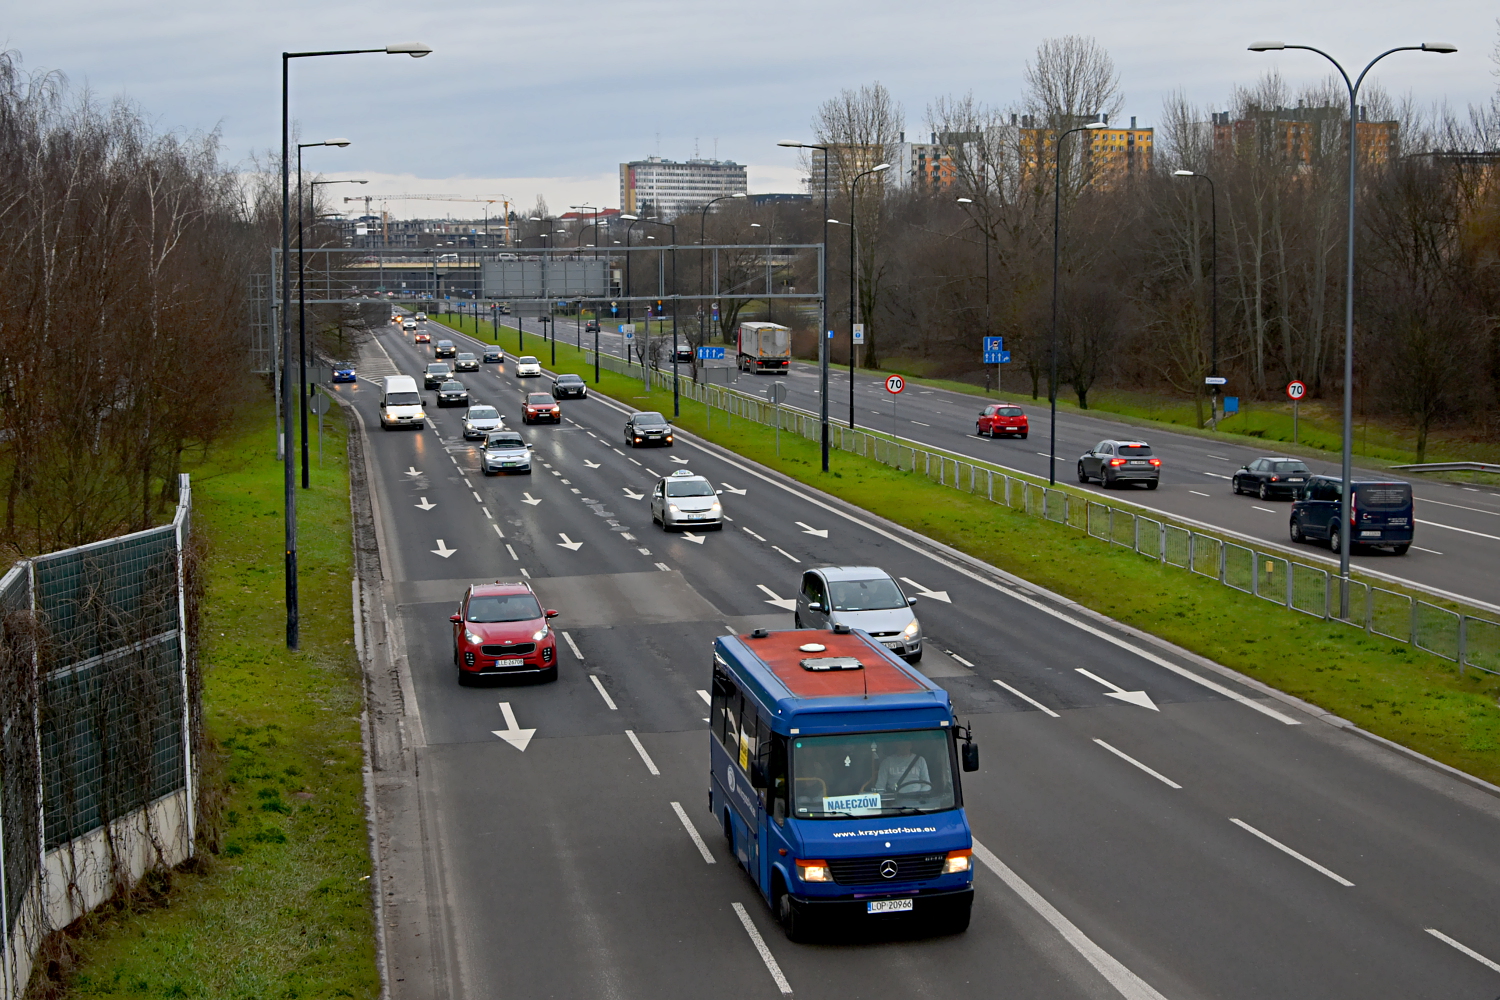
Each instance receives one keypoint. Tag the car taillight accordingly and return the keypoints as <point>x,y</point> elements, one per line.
<point>1156,462</point>
<point>1117,461</point>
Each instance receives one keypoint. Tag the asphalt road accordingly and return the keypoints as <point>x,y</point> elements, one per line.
<point>1458,534</point>
<point>1130,850</point>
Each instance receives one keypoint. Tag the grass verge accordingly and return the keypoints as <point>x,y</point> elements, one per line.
<point>282,910</point>
<point>1385,687</point>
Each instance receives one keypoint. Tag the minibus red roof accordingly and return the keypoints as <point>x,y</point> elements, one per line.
<point>780,651</point>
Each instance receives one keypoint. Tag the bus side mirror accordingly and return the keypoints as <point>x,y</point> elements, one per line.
<point>970,753</point>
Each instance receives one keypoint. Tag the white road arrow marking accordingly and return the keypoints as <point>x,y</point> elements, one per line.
<point>936,595</point>
<point>530,499</point>
<point>1140,698</point>
<point>808,529</point>
<point>568,543</point>
<point>411,470</point>
<point>442,550</point>
<point>732,489</point>
<point>780,602</point>
<point>679,461</point>
<point>424,504</point>
<point>632,494</point>
<point>692,537</point>
<point>591,465</point>
<point>513,734</point>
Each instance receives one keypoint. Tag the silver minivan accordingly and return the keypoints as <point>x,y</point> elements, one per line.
<point>862,597</point>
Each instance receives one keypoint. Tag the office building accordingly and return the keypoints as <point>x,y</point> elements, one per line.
<point>663,189</point>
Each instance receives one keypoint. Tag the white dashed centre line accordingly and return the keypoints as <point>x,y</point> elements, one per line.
<point>784,552</point>
<point>693,832</point>
<point>1266,509</point>
<point>1029,700</point>
<point>704,694</point>
<point>1131,760</point>
<point>1196,493</point>
<point>751,533</point>
<point>512,552</point>
<point>602,693</point>
<point>760,946</point>
<point>1287,850</point>
<point>572,645</point>
<point>646,757</point>
<point>1463,948</point>
<point>497,530</point>
<point>1431,552</point>
<point>664,567</point>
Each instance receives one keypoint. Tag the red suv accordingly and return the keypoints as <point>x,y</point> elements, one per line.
<point>541,406</point>
<point>501,631</point>
<point>1001,418</point>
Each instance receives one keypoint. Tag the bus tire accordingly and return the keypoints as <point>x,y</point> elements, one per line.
<point>794,924</point>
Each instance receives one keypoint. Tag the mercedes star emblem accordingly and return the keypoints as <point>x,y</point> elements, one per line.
<point>888,869</point>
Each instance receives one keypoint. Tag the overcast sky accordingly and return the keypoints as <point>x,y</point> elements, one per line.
<point>521,99</point>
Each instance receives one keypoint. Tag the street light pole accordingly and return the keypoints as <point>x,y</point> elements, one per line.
<point>1213,212</point>
<point>702,239</point>
<point>988,329</point>
<point>822,301</point>
<point>629,287</point>
<point>1056,234</point>
<point>853,242</point>
<point>1345,498</point>
<point>676,399</point>
<point>302,295</point>
<point>289,483</point>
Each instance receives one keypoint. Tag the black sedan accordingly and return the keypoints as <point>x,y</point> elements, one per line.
<point>569,385</point>
<point>647,428</point>
<point>493,356</point>
<point>1268,478</point>
<point>453,393</point>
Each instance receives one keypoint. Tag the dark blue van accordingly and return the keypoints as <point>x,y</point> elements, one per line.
<point>835,775</point>
<point>1380,514</point>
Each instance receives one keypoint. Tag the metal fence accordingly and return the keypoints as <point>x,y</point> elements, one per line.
<point>98,697</point>
<point>1467,639</point>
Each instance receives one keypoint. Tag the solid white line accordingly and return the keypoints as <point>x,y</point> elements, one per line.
<point>1431,552</point>
<point>1131,760</point>
<point>765,953</point>
<point>650,764</point>
<point>1046,609</point>
<point>784,552</point>
<point>1477,510</point>
<point>572,645</point>
<point>1282,847</point>
<point>704,694</point>
<point>692,831</point>
<point>602,693</point>
<point>512,552</point>
<point>1466,531</point>
<point>1466,950</point>
<point>1129,985</point>
<point>1028,699</point>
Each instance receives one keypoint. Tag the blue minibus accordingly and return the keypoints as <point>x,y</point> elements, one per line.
<point>834,771</point>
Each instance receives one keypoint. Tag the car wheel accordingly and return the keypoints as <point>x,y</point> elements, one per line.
<point>1083,477</point>
<point>1335,540</point>
<point>1265,492</point>
<point>550,676</point>
<point>463,678</point>
<point>1400,550</point>
<point>1105,482</point>
<point>914,657</point>
<point>1023,437</point>
<point>1151,484</point>
<point>1296,530</point>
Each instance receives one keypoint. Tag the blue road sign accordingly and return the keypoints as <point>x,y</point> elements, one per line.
<point>992,344</point>
<point>997,357</point>
<point>1231,404</point>
<point>710,354</point>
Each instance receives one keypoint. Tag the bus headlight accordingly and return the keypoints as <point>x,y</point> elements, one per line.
<point>958,861</point>
<point>813,871</point>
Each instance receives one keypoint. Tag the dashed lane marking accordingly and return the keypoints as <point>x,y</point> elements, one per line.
<point>692,831</point>
<point>572,645</point>
<point>645,757</point>
<point>602,693</point>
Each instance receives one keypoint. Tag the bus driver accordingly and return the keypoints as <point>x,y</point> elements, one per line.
<point>903,771</point>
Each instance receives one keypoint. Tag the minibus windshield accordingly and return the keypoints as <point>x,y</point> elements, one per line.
<point>402,399</point>
<point>872,774</point>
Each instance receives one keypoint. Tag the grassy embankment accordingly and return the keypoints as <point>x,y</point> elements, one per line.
<point>283,910</point>
<point>1383,686</point>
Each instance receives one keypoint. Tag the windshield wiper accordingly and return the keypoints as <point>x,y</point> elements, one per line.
<point>822,812</point>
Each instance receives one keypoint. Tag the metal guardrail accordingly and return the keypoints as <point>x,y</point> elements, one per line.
<point>1468,640</point>
<point>1450,467</point>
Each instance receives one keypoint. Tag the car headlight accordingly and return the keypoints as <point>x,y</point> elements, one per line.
<point>471,637</point>
<point>911,629</point>
<point>673,508</point>
<point>540,634</point>
<point>717,506</point>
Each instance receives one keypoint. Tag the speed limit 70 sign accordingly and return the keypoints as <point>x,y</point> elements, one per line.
<point>895,384</point>
<point>1295,391</point>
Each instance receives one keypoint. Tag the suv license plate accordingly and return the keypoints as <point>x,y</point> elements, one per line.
<point>888,906</point>
<point>1369,534</point>
<point>510,663</point>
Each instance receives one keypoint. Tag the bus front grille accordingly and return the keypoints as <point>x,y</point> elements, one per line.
<point>872,870</point>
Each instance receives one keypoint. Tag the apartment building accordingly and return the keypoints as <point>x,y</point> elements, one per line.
<point>1304,134</point>
<point>663,189</point>
<point>1112,155</point>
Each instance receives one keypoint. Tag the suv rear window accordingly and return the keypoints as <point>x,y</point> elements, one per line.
<point>1134,450</point>
<point>1382,496</point>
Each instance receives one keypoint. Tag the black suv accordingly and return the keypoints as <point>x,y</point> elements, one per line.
<point>453,393</point>
<point>444,349</point>
<point>1271,477</point>
<point>1114,462</point>
<point>435,374</point>
<point>569,385</point>
<point>592,326</point>
<point>647,428</point>
<point>1380,513</point>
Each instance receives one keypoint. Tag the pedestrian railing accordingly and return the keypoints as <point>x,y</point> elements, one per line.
<point>1467,639</point>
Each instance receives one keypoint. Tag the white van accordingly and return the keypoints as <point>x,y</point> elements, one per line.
<point>401,403</point>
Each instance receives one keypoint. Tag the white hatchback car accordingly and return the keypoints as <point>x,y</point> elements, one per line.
<point>683,500</point>
<point>528,367</point>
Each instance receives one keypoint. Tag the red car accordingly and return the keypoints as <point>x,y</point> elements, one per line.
<point>541,406</point>
<point>421,338</point>
<point>501,631</point>
<point>1001,418</point>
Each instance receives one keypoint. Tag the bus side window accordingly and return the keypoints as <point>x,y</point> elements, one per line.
<point>749,734</point>
<point>773,752</point>
<point>719,710</point>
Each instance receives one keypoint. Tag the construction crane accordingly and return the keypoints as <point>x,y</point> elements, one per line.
<point>385,216</point>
